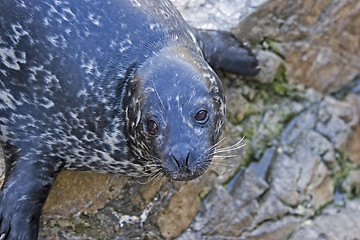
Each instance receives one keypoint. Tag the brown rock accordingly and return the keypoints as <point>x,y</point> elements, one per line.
<point>81,191</point>
<point>86,192</point>
<point>182,208</point>
<point>354,146</point>
<point>346,110</point>
<point>319,38</point>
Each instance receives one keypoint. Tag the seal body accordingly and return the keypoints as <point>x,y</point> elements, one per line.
<point>116,87</point>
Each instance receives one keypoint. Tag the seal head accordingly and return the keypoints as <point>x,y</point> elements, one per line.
<point>175,113</point>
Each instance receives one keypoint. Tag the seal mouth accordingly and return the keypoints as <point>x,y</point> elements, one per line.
<point>185,174</point>
<point>185,177</point>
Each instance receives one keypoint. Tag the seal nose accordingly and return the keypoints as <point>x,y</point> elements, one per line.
<point>181,157</point>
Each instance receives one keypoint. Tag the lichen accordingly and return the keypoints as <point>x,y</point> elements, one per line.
<point>273,46</point>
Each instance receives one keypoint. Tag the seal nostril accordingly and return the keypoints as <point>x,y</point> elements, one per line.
<point>187,160</point>
<point>181,158</point>
<point>176,161</point>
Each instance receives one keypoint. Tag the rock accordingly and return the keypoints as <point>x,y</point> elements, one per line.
<point>271,208</point>
<point>352,183</point>
<point>304,121</point>
<point>313,182</point>
<point>320,146</point>
<point>271,123</point>
<point>353,146</point>
<point>189,235</point>
<point>216,220</point>
<point>212,14</point>
<point>321,187</point>
<point>182,208</point>
<point>347,110</point>
<point>274,230</point>
<point>336,130</point>
<point>283,178</point>
<point>71,193</point>
<point>302,177</point>
<point>269,63</point>
<point>246,186</point>
<point>261,168</point>
<point>335,121</point>
<point>319,51</point>
<point>342,225</point>
<point>238,106</point>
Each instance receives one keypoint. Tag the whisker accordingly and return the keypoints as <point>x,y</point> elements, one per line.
<point>229,149</point>
<point>143,183</point>
<point>217,170</point>
<point>158,94</point>
<point>158,180</point>
<point>152,176</point>
<point>222,157</point>
<point>217,164</point>
<point>238,142</point>
<point>214,146</point>
<point>156,177</point>
<point>159,174</point>
<point>219,142</point>
<point>232,147</point>
<point>155,168</point>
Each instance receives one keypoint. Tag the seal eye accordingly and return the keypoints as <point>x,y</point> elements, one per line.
<point>201,117</point>
<point>152,127</point>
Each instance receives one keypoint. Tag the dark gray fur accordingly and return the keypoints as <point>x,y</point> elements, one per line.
<point>80,81</point>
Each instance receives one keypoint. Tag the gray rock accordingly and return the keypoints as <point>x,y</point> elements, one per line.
<point>271,207</point>
<point>269,63</point>
<point>302,177</point>
<point>336,130</point>
<point>219,15</point>
<point>304,121</point>
<point>261,168</point>
<point>342,225</point>
<point>271,123</point>
<point>189,235</point>
<point>352,183</point>
<point>215,219</point>
<point>246,187</point>
<point>274,230</point>
<point>313,182</point>
<point>347,110</point>
<point>320,146</point>
<point>283,177</point>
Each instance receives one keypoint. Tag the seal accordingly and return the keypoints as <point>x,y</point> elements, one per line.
<point>118,87</point>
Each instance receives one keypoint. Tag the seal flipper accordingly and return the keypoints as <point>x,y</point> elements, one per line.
<point>222,51</point>
<point>27,184</point>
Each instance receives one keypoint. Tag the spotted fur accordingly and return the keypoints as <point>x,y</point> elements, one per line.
<point>79,81</point>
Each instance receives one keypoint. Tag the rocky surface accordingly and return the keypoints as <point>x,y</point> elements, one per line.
<point>293,181</point>
<point>297,177</point>
<point>319,39</point>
